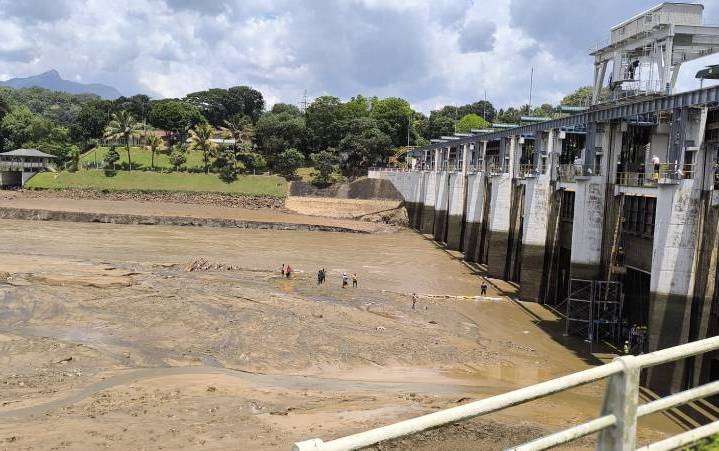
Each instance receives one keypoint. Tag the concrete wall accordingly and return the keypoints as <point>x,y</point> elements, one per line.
<point>534,236</point>
<point>456,198</point>
<point>498,224</point>
<point>428,203</point>
<point>587,228</point>
<point>474,218</point>
<point>675,238</point>
<point>441,206</point>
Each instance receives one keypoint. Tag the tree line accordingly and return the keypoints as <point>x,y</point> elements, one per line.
<point>330,134</point>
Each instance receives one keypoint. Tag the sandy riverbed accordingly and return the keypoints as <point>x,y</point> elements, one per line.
<point>106,340</point>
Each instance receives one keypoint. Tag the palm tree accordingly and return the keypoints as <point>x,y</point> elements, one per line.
<point>240,129</point>
<point>123,126</point>
<point>200,137</point>
<point>153,142</point>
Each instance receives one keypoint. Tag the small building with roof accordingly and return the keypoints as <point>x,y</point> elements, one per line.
<point>20,165</point>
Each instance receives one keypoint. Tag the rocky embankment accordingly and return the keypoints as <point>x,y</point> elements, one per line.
<point>215,199</point>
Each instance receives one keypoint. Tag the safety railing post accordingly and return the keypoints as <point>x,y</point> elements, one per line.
<point>621,399</point>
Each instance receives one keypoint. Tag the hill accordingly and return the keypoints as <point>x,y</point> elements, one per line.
<point>53,81</point>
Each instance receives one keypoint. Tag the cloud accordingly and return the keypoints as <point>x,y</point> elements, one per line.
<point>429,52</point>
<point>477,35</point>
<point>37,10</point>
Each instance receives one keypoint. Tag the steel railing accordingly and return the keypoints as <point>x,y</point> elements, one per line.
<point>570,172</point>
<point>20,166</point>
<point>617,424</point>
<point>667,173</point>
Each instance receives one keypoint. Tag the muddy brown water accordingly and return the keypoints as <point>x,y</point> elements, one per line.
<point>118,300</point>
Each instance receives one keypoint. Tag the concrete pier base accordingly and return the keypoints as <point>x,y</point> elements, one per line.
<point>534,236</point>
<point>456,210</point>
<point>474,217</point>
<point>498,224</point>
<point>441,207</point>
<point>430,197</point>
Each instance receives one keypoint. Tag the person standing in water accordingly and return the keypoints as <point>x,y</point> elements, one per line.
<point>344,280</point>
<point>354,280</point>
<point>414,301</point>
<point>288,271</point>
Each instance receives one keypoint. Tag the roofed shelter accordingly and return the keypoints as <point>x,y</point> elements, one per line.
<point>20,165</point>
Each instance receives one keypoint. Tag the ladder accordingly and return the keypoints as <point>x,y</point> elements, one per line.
<point>613,257</point>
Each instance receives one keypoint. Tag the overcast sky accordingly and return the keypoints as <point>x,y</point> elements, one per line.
<point>432,52</point>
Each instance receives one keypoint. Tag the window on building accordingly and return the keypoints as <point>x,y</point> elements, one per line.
<point>639,216</point>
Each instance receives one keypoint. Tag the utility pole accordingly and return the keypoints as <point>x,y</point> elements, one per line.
<point>531,83</point>
<point>484,105</point>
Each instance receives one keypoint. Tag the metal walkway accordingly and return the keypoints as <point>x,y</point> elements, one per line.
<point>652,105</point>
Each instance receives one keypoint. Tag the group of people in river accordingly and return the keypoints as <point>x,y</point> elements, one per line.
<point>322,276</point>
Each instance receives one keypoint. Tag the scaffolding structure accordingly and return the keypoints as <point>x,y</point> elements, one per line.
<point>594,310</point>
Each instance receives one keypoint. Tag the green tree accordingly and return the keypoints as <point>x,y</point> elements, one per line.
<point>239,128</point>
<point>324,118</point>
<point>175,117</point>
<point>227,166</point>
<point>111,157</point>
<point>122,126</point>
<point>55,141</point>
<point>363,146</point>
<point>469,122</point>
<point>73,162</point>
<point>252,161</point>
<point>325,163</point>
<point>22,126</point>
<point>246,101</point>
<point>581,97</point>
<point>288,162</point>
<point>200,137</point>
<point>278,108</point>
<point>277,132</point>
<point>509,116</point>
<point>439,125</point>
<point>177,157</point>
<point>91,121</point>
<point>482,108</point>
<point>356,107</point>
<point>153,143</point>
<point>394,117</point>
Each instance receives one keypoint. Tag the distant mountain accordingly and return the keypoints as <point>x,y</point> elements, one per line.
<point>51,80</point>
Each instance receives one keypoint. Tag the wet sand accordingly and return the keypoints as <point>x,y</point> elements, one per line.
<point>107,340</point>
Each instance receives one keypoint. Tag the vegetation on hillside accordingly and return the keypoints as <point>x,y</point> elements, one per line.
<point>331,135</point>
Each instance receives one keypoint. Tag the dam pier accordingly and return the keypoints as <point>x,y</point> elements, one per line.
<point>578,213</point>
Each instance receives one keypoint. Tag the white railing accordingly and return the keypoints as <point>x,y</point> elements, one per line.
<point>617,424</point>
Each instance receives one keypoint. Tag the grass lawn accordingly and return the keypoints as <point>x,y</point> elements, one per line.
<point>141,157</point>
<point>154,181</point>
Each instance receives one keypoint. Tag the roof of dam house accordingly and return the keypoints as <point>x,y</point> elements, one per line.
<point>26,153</point>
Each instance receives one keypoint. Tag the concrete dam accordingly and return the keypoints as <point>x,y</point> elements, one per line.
<point>610,216</point>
